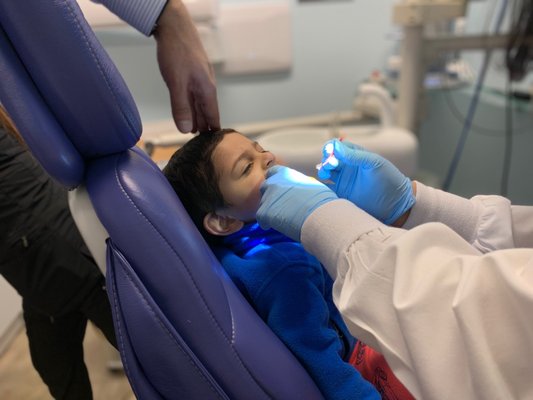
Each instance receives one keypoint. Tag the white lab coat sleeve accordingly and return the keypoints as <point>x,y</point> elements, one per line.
<point>451,322</point>
<point>141,14</point>
<point>523,226</point>
<point>487,222</point>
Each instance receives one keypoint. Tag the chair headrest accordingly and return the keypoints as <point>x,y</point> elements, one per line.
<point>42,82</point>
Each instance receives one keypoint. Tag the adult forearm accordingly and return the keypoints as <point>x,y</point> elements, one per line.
<point>332,228</point>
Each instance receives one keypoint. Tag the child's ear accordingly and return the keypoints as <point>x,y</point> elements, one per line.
<point>221,225</point>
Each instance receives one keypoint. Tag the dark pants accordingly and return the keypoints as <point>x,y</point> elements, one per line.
<point>62,289</point>
<point>56,345</point>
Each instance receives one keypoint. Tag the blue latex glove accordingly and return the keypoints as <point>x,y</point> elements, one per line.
<point>288,197</point>
<point>368,180</point>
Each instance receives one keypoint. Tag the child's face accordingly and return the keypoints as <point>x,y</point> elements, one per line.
<point>242,165</point>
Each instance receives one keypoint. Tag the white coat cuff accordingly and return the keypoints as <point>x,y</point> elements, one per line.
<point>434,205</point>
<point>332,228</point>
<point>484,221</point>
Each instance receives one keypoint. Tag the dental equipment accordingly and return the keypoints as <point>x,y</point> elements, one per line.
<point>331,160</point>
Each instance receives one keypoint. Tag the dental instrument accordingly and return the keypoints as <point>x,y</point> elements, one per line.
<point>331,160</point>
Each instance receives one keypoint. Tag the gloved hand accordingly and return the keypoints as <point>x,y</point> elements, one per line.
<point>368,180</point>
<point>288,197</point>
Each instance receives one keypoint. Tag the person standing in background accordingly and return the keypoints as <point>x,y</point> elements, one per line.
<point>43,256</point>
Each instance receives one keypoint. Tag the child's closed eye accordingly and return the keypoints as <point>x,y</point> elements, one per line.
<point>247,168</point>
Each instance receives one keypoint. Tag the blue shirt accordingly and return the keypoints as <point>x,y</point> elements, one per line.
<point>291,292</point>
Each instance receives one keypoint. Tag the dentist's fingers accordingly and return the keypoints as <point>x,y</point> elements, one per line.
<point>200,117</point>
<point>324,173</point>
<point>351,145</point>
<point>274,170</point>
<point>182,112</point>
<point>186,70</point>
<point>208,106</point>
<point>190,109</point>
<point>329,174</point>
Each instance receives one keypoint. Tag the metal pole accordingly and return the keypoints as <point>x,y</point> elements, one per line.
<point>411,77</point>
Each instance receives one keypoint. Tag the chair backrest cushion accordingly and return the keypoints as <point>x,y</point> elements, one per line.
<point>197,304</point>
<point>57,78</point>
<point>184,329</point>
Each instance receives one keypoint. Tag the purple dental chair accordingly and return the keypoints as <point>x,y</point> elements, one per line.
<point>184,330</point>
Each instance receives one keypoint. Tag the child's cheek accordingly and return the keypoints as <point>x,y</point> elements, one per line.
<point>254,198</point>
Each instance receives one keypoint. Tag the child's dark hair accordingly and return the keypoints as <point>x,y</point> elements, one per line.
<point>191,173</point>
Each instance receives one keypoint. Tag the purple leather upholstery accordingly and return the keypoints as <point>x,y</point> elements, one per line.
<point>61,72</point>
<point>184,331</point>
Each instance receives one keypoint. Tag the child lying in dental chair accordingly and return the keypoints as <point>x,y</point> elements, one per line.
<point>217,177</point>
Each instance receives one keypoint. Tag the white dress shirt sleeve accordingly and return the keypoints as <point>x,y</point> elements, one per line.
<point>141,14</point>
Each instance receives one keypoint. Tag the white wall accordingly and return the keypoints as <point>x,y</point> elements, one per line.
<point>336,44</point>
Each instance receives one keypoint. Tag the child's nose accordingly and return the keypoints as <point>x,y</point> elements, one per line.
<point>268,160</point>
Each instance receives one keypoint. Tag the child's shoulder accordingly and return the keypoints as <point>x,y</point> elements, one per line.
<point>268,264</point>
<point>280,255</point>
